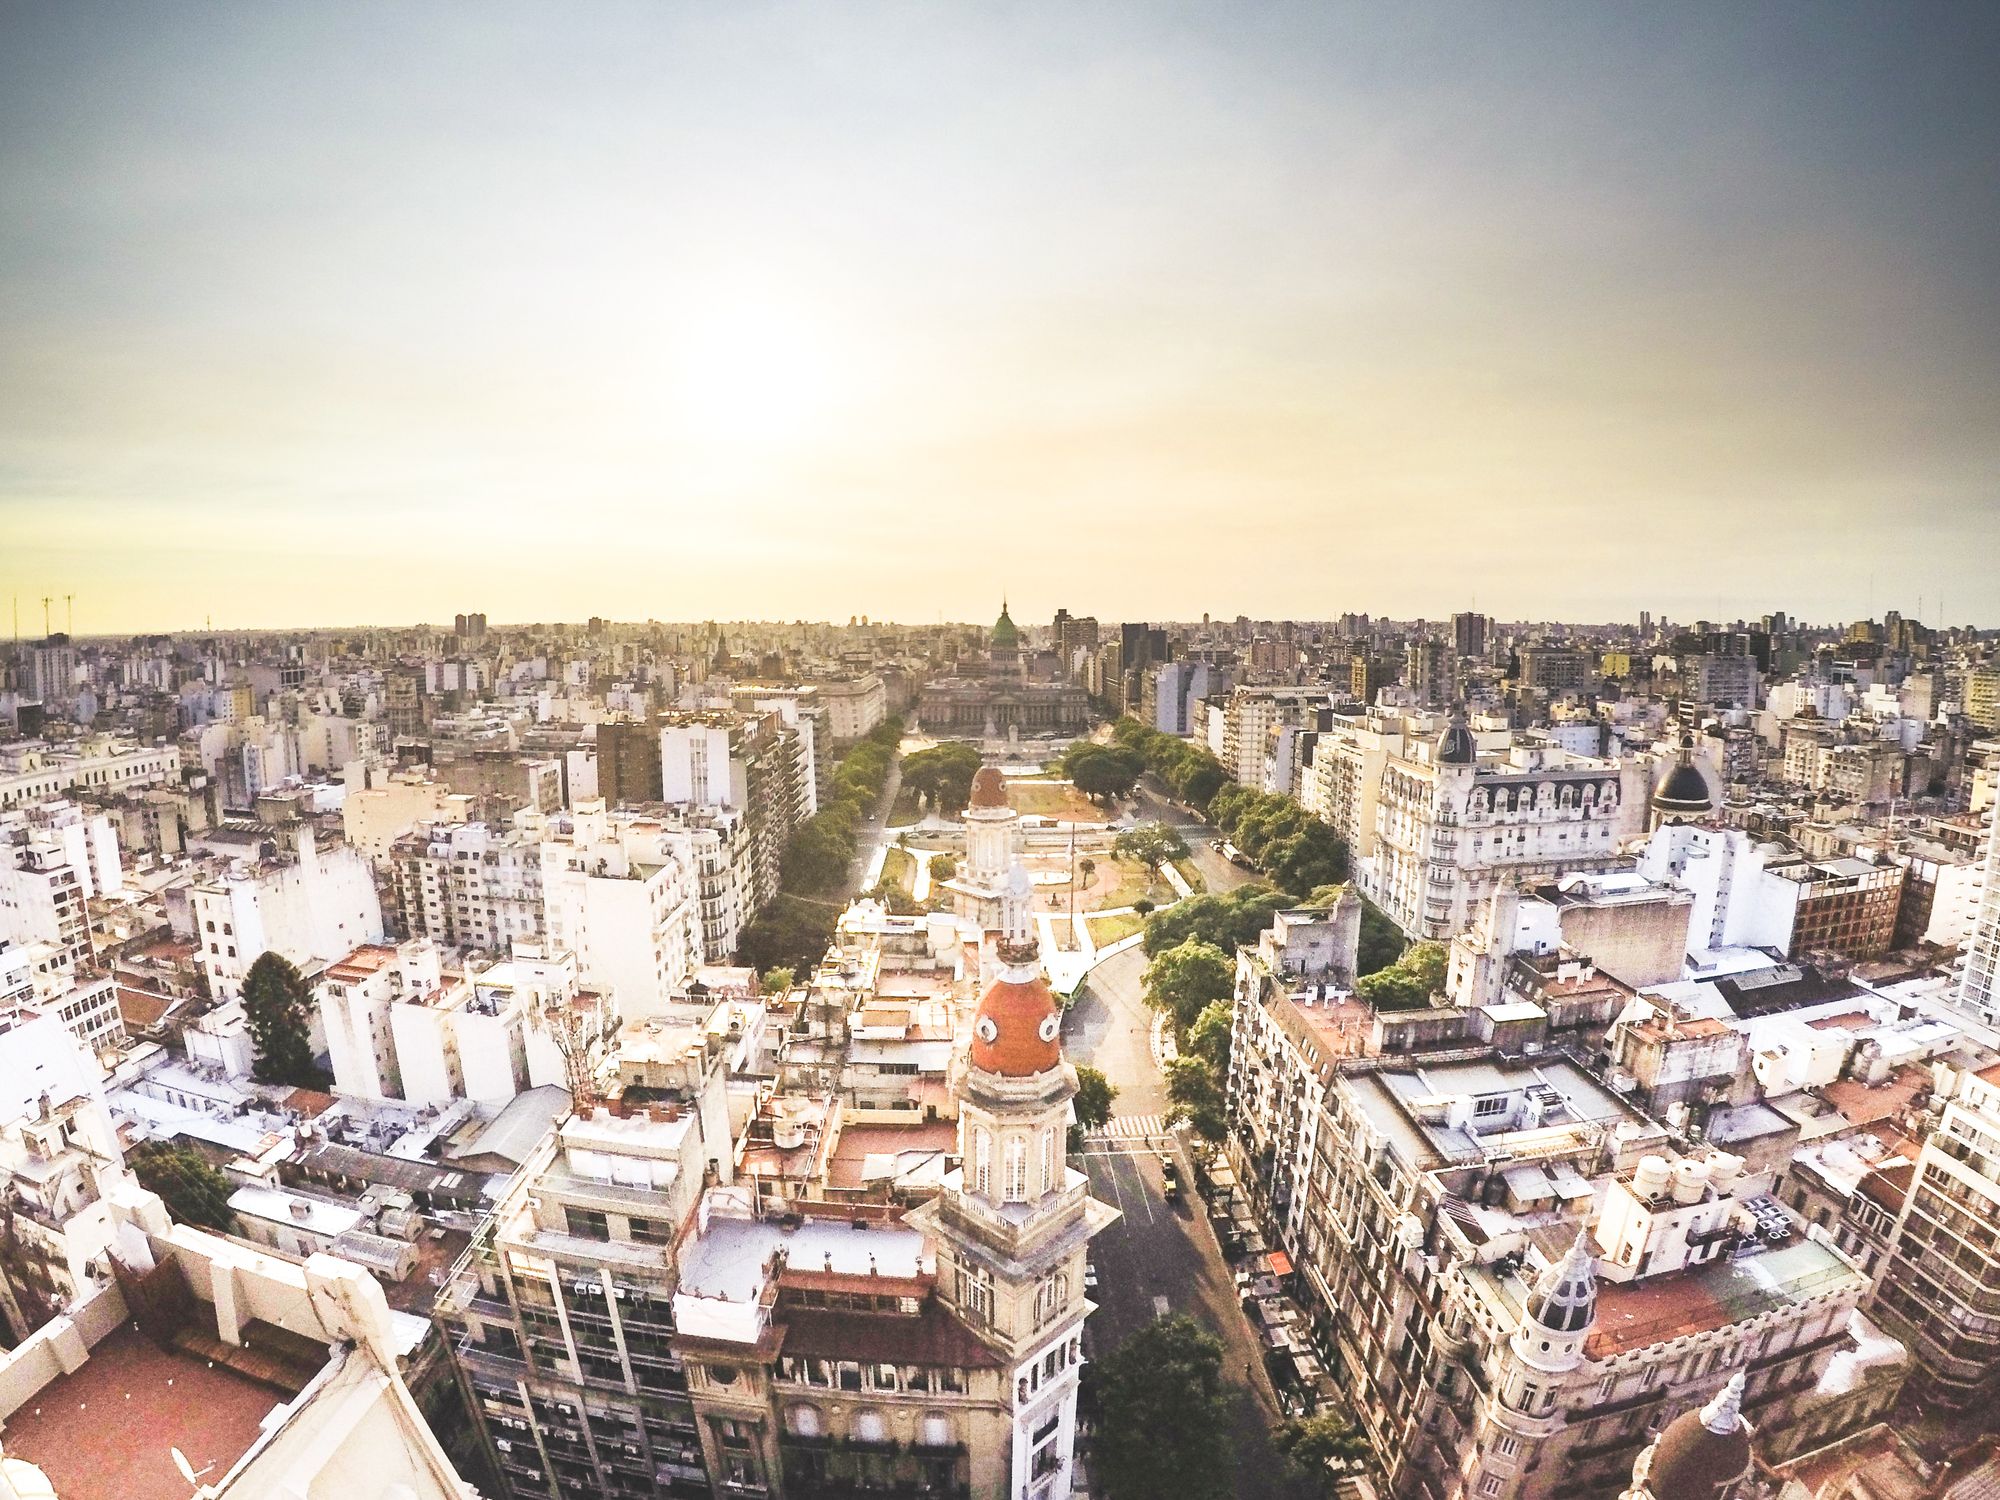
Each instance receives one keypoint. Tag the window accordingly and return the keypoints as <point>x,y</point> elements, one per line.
<point>975,1294</point>
<point>1017,1170</point>
<point>1048,1161</point>
<point>1051,1297</point>
<point>982,1160</point>
<point>1506,1446</point>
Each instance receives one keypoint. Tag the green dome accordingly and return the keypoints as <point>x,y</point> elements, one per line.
<point>1006,636</point>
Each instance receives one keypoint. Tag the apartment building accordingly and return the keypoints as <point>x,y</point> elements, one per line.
<point>1941,1291</point>
<point>622,894</point>
<point>562,1316</point>
<point>750,764</point>
<point>32,771</point>
<point>54,859</point>
<point>1515,1281</point>
<point>1340,774</point>
<point>1979,986</point>
<point>293,898</point>
<point>1250,718</point>
<point>1451,822</point>
<point>469,886</point>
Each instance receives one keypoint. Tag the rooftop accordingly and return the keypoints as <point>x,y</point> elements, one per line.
<point>109,1428</point>
<point>1701,1299</point>
<point>729,1256</point>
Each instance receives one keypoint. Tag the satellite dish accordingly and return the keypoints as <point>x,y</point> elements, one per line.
<point>188,1470</point>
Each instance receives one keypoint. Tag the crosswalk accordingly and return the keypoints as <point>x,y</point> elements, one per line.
<point>1131,1128</point>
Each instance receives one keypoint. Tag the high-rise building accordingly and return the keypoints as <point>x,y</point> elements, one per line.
<point>1979,988</point>
<point>1942,1288</point>
<point>1427,673</point>
<point>1469,633</point>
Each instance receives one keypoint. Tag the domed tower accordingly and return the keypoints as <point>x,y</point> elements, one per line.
<point>1682,797</point>
<point>1539,1359</point>
<point>1456,746</point>
<point>1013,1223</point>
<point>1700,1455</point>
<point>1003,648</point>
<point>992,839</point>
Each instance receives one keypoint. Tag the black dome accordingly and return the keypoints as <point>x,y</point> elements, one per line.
<point>1684,791</point>
<point>1455,747</point>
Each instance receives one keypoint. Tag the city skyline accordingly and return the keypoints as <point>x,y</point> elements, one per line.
<point>752,314</point>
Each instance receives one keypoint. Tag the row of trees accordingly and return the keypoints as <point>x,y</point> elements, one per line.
<point>1287,844</point>
<point>796,927</point>
<point>1168,1421</point>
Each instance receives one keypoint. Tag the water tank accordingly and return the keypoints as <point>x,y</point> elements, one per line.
<point>1652,1177</point>
<point>1690,1181</point>
<point>788,1133</point>
<point>1723,1170</point>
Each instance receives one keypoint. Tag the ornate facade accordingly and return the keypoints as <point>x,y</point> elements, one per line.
<point>992,697</point>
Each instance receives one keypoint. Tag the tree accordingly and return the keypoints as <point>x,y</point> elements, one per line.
<point>777,979</point>
<point>1094,1093</point>
<point>791,931</point>
<point>943,868</point>
<point>1150,843</point>
<point>1408,983</point>
<point>1322,1447</point>
<point>1183,981</point>
<point>1088,866</point>
<point>943,774</point>
<point>276,1006</point>
<point>1228,920</point>
<point>1208,1038</point>
<point>820,853</point>
<point>1102,772</point>
<point>193,1190</point>
<point>1169,1422</point>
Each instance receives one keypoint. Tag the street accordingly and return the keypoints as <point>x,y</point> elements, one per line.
<point>1160,1257</point>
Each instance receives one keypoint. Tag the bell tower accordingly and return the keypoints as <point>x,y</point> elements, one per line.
<point>1013,1223</point>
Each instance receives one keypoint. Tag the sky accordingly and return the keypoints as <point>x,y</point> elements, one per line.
<point>344,314</point>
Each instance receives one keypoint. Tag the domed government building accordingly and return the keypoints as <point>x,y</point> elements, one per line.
<point>1004,693</point>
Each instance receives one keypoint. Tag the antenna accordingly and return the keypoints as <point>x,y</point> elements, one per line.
<point>47,600</point>
<point>69,614</point>
<point>188,1471</point>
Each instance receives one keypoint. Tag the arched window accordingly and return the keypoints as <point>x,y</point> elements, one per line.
<point>1048,1161</point>
<point>982,1160</point>
<point>871,1426</point>
<point>805,1421</point>
<point>1017,1170</point>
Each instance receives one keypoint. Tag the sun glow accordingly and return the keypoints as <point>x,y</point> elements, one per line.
<point>750,370</point>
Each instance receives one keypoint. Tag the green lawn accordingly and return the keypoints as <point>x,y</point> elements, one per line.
<point>1104,931</point>
<point>899,869</point>
<point>1191,875</point>
<point>905,810</point>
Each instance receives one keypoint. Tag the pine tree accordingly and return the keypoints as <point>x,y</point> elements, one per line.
<point>275,1005</point>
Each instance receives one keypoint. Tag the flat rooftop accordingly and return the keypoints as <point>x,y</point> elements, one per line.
<point>729,1257</point>
<point>107,1430</point>
<point>1656,1309</point>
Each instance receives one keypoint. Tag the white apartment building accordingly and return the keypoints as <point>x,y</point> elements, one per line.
<point>298,900</point>
<point>35,772</point>
<point>398,1026</point>
<point>1339,778</point>
<point>1979,991</point>
<point>622,894</point>
<point>1249,718</point>
<point>1451,822</point>
<point>470,885</point>
<point>54,859</point>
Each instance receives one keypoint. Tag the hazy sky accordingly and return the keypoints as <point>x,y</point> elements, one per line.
<point>316,313</point>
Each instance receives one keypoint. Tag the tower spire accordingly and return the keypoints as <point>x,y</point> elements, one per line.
<point>1724,1414</point>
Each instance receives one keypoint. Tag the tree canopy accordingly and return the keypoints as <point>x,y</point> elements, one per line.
<point>1321,1447</point>
<point>193,1189</point>
<point>943,774</point>
<point>1409,982</point>
<point>1185,980</point>
<point>277,1007</point>
<point>1102,772</point>
<point>1151,843</point>
<point>1226,919</point>
<point>1168,1421</point>
<point>1094,1093</point>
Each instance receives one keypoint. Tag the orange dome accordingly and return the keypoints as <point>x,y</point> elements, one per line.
<point>989,788</point>
<point>1017,1030</point>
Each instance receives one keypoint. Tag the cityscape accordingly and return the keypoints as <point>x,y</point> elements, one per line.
<point>1122,753</point>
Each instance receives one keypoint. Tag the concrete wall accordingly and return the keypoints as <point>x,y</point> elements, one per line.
<point>58,1347</point>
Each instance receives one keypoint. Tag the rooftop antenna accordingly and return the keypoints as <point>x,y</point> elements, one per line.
<point>69,614</point>
<point>188,1471</point>
<point>47,600</point>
